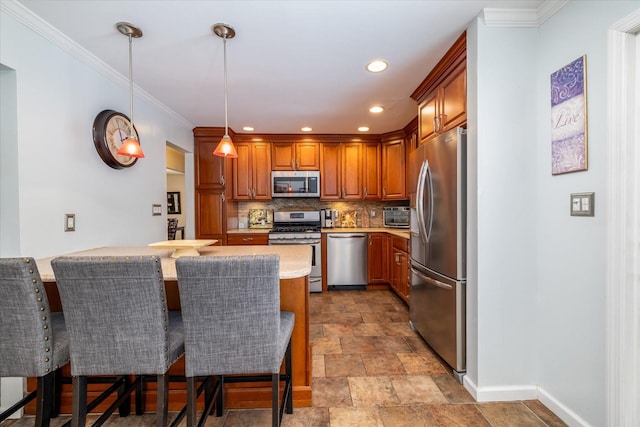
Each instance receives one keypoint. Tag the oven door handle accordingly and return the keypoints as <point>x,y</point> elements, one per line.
<point>291,242</point>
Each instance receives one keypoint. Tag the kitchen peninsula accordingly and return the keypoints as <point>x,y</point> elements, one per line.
<point>295,266</point>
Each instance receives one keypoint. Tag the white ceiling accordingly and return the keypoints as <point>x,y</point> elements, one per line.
<point>291,64</point>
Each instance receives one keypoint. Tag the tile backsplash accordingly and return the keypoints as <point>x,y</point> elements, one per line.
<point>373,208</point>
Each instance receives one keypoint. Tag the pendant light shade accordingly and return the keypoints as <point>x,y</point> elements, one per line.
<point>225,147</point>
<point>131,146</point>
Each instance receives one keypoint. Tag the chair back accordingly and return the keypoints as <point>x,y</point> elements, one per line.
<point>231,314</point>
<point>172,227</point>
<point>27,327</point>
<point>116,314</point>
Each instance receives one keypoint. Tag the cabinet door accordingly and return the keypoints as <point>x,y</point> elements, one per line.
<point>427,111</point>
<point>372,177</point>
<point>378,258</point>
<point>209,169</point>
<point>307,156</point>
<point>454,98</point>
<point>242,172</point>
<point>210,218</point>
<point>282,156</point>
<point>352,171</point>
<point>261,159</point>
<point>393,170</point>
<point>330,171</point>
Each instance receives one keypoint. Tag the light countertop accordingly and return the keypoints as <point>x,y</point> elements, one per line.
<point>295,260</point>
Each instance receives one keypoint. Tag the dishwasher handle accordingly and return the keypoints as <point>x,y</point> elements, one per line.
<point>346,236</point>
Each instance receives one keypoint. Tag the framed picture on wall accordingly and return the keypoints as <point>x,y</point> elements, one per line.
<point>569,118</point>
<point>173,203</point>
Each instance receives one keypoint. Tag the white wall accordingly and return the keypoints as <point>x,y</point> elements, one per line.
<point>539,285</point>
<point>503,284</point>
<point>59,170</point>
<point>572,250</point>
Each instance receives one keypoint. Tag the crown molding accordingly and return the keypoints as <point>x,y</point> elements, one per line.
<point>48,32</point>
<point>521,18</point>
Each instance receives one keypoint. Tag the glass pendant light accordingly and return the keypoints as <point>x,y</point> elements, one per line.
<point>130,146</point>
<point>225,147</point>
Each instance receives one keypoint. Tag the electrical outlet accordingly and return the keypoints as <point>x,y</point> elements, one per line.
<point>156,210</point>
<point>69,222</point>
<point>373,213</point>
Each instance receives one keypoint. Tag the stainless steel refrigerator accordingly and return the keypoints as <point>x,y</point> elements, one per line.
<point>438,245</point>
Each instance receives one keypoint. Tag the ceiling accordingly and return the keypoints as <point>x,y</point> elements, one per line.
<point>291,64</point>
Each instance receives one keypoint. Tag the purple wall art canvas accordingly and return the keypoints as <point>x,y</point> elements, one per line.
<point>569,118</point>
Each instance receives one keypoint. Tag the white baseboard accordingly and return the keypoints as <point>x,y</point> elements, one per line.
<point>565,414</point>
<point>500,394</point>
<point>525,392</point>
<point>11,391</point>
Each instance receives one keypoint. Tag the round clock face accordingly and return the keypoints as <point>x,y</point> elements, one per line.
<point>110,129</point>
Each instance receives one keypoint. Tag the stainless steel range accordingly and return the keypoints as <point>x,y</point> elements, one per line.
<point>300,228</point>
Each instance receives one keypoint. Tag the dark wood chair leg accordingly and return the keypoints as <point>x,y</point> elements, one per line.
<point>162,402</point>
<point>57,398</point>
<point>275,400</point>
<point>79,402</point>
<point>192,395</point>
<point>44,399</point>
<point>220,400</point>
<point>289,383</point>
<point>141,392</point>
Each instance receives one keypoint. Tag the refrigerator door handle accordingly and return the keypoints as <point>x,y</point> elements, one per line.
<point>431,280</point>
<point>420,202</point>
<point>430,182</point>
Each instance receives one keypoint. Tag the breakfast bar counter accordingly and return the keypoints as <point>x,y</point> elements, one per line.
<point>295,266</point>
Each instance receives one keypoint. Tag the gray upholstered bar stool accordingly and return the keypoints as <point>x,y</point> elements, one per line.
<point>33,341</point>
<point>233,325</point>
<point>118,324</point>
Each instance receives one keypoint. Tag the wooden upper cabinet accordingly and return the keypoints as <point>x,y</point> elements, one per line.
<point>252,171</point>
<point>330,171</point>
<point>372,176</point>
<point>352,187</point>
<point>341,171</point>
<point>394,170</point>
<point>287,156</point>
<point>442,96</point>
<point>209,169</point>
<point>454,98</point>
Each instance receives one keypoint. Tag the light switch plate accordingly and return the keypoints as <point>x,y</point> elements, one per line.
<point>69,222</point>
<point>582,204</point>
<point>156,210</point>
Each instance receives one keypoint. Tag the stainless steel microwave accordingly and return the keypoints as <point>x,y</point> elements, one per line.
<point>295,183</point>
<point>396,217</point>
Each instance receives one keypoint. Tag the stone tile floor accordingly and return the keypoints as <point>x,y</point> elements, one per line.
<point>371,369</point>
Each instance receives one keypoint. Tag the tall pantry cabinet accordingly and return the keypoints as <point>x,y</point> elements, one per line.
<point>211,185</point>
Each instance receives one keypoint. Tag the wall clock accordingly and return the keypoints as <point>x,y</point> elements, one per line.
<point>110,129</point>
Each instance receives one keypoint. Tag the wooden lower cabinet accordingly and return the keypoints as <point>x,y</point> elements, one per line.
<point>377,258</point>
<point>247,239</point>
<point>399,267</point>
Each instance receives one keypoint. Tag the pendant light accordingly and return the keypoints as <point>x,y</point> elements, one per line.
<point>130,146</point>
<point>225,147</point>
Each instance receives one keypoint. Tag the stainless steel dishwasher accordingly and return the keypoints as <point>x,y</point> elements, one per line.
<point>346,260</point>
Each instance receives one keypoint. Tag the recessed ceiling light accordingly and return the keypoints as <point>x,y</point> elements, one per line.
<point>306,129</point>
<point>248,129</point>
<point>376,109</point>
<point>377,65</point>
<point>363,129</point>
